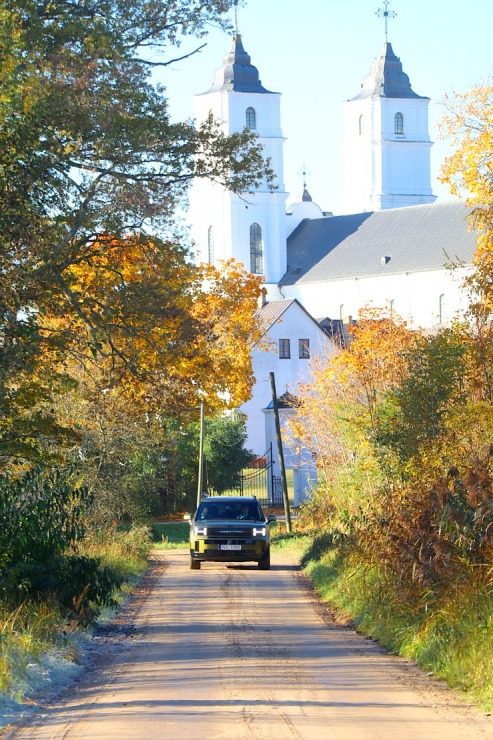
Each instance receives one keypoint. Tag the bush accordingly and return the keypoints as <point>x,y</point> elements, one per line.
<point>41,524</point>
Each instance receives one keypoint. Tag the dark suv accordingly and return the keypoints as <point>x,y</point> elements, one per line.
<point>230,529</point>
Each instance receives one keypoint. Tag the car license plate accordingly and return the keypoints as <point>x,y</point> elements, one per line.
<point>230,547</point>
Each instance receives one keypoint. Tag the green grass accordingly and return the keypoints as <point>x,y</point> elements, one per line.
<point>170,535</point>
<point>295,543</point>
<point>453,639</point>
<point>37,644</point>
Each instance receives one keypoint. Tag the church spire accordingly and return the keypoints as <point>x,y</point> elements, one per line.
<point>387,78</point>
<point>237,72</point>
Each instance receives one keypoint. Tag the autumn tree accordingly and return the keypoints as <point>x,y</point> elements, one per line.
<point>469,172</point>
<point>91,164</point>
<point>339,411</point>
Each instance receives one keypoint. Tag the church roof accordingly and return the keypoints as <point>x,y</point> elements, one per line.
<point>286,401</point>
<point>272,311</point>
<point>387,78</point>
<point>237,73</point>
<point>398,240</point>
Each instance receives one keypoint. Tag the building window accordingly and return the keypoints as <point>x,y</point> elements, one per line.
<point>399,123</point>
<point>441,308</point>
<point>210,245</point>
<point>284,349</point>
<point>251,118</point>
<point>361,125</point>
<point>304,349</point>
<point>256,250</point>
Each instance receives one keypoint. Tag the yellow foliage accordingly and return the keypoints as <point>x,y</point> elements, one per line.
<point>166,333</point>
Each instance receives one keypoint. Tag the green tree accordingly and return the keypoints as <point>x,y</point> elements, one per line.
<point>89,154</point>
<point>224,451</point>
<point>42,516</point>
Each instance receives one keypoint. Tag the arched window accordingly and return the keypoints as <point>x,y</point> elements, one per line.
<point>210,245</point>
<point>441,308</point>
<point>251,118</point>
<point>361,125</point>
<point>399,123</point>
<point>256,250</point>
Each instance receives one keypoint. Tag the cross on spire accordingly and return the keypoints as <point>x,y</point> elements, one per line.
<point>386,14</point>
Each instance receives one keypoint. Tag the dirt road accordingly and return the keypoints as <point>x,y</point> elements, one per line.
<point>234,652</point>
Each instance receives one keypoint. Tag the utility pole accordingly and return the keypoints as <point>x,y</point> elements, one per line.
<point>280,454</point>
<point>200,483</point>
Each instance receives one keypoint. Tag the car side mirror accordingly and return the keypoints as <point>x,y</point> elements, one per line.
<point>187,517</point>
<point>272,518</point>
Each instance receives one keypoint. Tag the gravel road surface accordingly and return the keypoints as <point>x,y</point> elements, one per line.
<point>233,652</point>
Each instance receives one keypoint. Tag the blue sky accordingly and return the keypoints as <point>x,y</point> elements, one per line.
<point>317,52</point>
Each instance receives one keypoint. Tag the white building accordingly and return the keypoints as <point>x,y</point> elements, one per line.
<point>386,148</point>
<point>393,246</point>
<point>252,229</point>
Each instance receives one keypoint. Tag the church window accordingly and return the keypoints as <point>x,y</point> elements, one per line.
<point>441,308</point>
<point>251,118</point>
<point>361,125</point>
<point>399,123</point>
<point>210,245</point>
<point>304,349</point>
<point>256,250</point>
<point>284,349</point>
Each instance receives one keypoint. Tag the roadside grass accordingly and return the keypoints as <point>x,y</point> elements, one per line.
<point>169,535</point>
<point>453,638</point>
<point>39,645</point>
<point>295,543</point>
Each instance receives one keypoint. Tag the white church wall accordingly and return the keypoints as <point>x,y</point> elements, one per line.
<point>415,119</point>
<point>396,158</point>
<point>229,215</point>
<point>295,324</point>
<point>357,153</point>
<point>424,299</point>
<point>212,208</point>
<point>383,169</point>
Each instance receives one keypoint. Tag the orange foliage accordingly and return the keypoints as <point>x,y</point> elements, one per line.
<point>161,330</point>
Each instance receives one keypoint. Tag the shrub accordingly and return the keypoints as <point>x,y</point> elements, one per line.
<point>41,523</point>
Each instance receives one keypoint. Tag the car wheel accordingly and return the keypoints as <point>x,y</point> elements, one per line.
<point>195,564</point>
<point>264,562</point>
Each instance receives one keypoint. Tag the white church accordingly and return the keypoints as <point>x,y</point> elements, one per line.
<point>392,247</point>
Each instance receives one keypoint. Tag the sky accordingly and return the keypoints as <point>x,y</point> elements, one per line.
<point>316,53</point>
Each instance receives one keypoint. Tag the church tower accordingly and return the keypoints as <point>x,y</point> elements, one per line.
<point>251,228</point>
<point>386,148</point>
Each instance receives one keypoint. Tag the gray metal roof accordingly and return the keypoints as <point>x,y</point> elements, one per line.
<point>387,78</point>
<point>268,314</point>
<point>398,240</point>
<point>272,311</point>
<point>237,73</point>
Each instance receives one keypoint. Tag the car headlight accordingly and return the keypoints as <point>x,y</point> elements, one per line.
<point>259,531</point>
<point>198,530</point>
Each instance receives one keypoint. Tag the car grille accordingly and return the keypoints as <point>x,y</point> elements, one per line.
<point>238,533</point>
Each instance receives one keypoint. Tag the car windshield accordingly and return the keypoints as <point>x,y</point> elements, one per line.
<point>229,510</point>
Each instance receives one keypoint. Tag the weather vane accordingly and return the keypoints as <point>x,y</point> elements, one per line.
<point>386,13</point>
